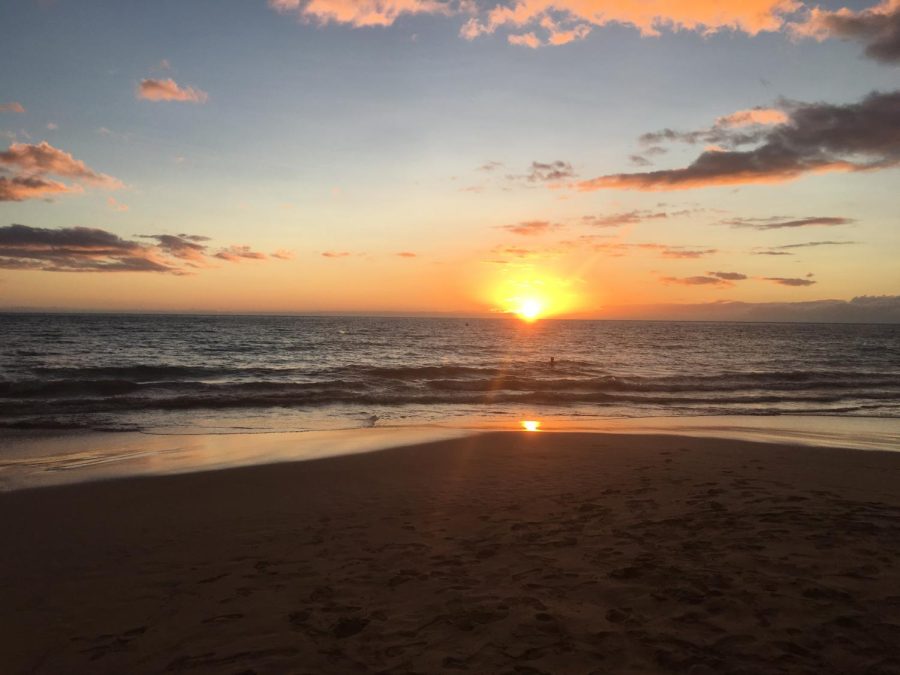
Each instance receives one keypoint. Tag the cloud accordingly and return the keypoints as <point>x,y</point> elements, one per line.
<point>619,249</point>
<point>624,218</point>
<point>25,171</point>
<point>780,222</point>
<point>43,159</point>
<point>812,244</point>
<point>13,107</point>
<point>547,172</point>
<point>729,276</point>
<point>116,205</point>
<point>358,13</point>
<point>282,254</point>
<point>182,246</point>
<point>490,166</point>
<point>239,253</point>
<point>562,21</point>
<point>20,188</point>
<point>878,28</point>
<point>785,281</point>
<point>818,137</point>
<point>168,90</point>
<point>759,115</point>
<point>88,249</point>
<point>531,227</point>
<point>407,254</point>
<point>75,249</point>
<point>336,254</point>
<point>698,281</point>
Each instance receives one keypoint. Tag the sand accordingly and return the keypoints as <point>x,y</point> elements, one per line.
<point>497,553</point>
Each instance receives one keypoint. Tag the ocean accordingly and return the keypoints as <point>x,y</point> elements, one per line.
<point>221,374</point>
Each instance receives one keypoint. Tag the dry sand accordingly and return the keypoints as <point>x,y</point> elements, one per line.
<point>499,553</point>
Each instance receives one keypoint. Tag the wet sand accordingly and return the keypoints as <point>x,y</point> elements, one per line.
<point>496,553</point>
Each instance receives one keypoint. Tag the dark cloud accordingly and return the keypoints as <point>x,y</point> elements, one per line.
<point>549,172</point>
<point>878,28</point>
<point>729,276</point>
<point>639,160</point>
<point>75,249</point>
<point>88,249</point>
<point>787,281</point>
<point>698,281</point>
<point>531,227</point>
<point>781,222</point>
<point>238,253</point>
<point>817,137</point>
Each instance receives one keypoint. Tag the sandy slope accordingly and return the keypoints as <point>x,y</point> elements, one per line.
<point>505,552</point>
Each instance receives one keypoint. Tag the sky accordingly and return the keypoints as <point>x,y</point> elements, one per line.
<point>588,158</point>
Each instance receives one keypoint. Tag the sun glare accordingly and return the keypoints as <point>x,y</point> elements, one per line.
<point>531,425</point>
<point>531,295</point>
<point>530,309</point>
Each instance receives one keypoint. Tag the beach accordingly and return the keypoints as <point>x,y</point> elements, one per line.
<point>504,552</point>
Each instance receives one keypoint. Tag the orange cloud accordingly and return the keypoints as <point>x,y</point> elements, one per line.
<point>13,107</point>
<point>358,13</point>
<point>567,20</point>
<point>406,254</point>
<point>31,165</point>
<point>283,254</point>
<point>743,118</point>
<point>169,90</point>
<point>335,254</point>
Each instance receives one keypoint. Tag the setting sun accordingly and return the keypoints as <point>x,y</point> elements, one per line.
<point>530,309</point>
<point>531,425</point>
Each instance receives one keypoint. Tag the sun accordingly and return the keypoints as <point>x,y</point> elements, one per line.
<point>529,309</point>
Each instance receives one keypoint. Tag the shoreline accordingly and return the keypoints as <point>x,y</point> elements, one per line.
<point>38,458</point>
<point>568,552</point>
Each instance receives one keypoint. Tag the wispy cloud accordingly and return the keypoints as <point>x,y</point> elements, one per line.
<point>789,281</point>
<point>168,90</point>
<point>698,281</point>
<point>782,222</point>
<point>336,254</point>
<point>531,227</point>
<point>623,218</point>
<point>818,137</point>
<point>14,107</point>
<point>549,172</point>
